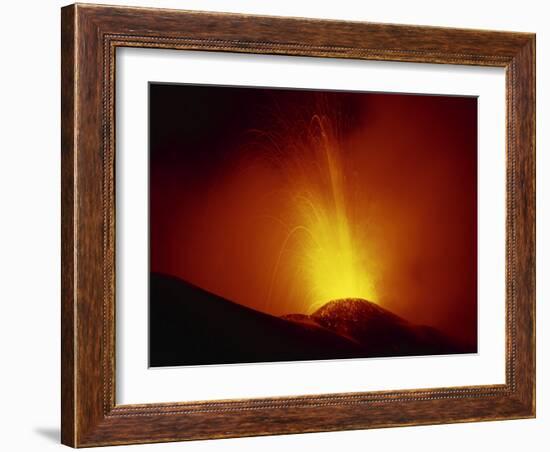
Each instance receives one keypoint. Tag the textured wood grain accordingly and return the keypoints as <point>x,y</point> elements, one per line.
<point>68,310</point>
<point>90,36</point>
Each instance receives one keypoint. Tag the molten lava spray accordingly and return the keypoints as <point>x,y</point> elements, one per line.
<point>324,247</point>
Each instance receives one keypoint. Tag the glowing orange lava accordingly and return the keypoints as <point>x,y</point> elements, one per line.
<point>323,248</point>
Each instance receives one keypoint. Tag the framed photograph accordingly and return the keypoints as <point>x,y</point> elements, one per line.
<point>281,225</point>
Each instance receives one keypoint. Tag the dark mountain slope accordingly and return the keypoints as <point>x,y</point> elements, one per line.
<point>190,326</point>
<point>379,331</point>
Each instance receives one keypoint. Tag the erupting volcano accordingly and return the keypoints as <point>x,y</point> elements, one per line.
<point>297,225</point>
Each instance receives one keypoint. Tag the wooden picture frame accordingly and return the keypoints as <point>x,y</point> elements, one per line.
<point>90,36</point>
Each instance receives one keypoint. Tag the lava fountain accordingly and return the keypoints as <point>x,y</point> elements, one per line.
<point>326,242</point>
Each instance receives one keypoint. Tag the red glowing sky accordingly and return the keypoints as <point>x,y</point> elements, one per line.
<point>282,200</point>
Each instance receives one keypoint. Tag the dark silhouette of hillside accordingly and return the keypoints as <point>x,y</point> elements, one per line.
<point>190,326</point>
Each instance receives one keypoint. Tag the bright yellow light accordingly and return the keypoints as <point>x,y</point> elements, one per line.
<point>336,267</point>
<point>330,255</point>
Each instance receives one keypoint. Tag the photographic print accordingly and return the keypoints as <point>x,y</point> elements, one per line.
<point>297,225</point>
